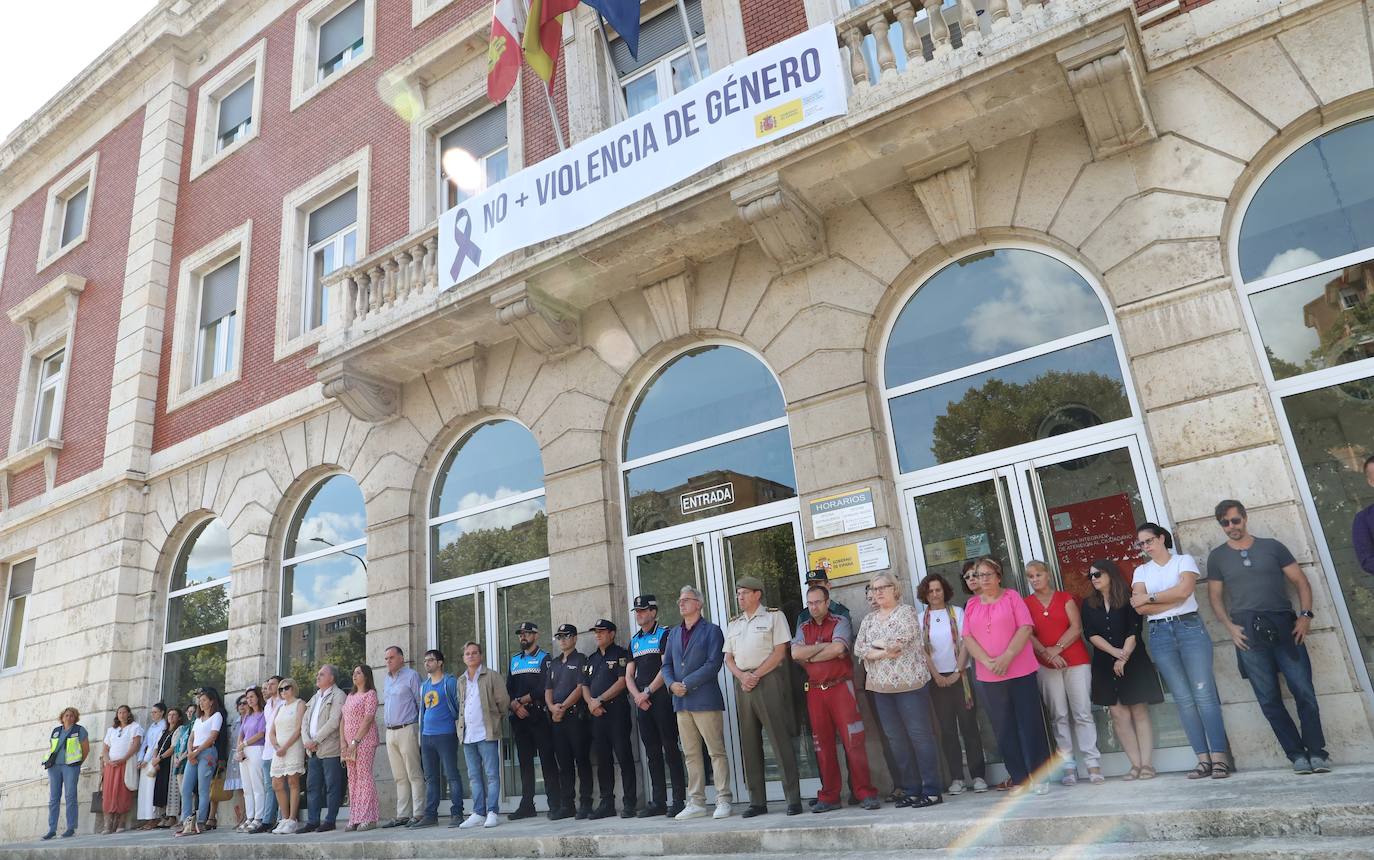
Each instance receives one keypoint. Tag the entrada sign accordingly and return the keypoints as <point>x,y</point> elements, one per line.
<point>712,497</point>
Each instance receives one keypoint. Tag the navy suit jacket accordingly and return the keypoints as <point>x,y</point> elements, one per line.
<point>698,666</point>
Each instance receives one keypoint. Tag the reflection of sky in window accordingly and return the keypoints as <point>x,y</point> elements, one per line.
<point>1318,204</point>
<point>700,394</point>
<point>208,558</point>
<point>496,460</point>
<point>914,414</point>
<point>333,515</point>
<point>328,581</point>
<point>1279,313</point>
<point>517,545</point>
<point>985,306</point>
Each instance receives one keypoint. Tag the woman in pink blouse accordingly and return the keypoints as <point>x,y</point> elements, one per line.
<point>359,738</point>
<point>997,632</point>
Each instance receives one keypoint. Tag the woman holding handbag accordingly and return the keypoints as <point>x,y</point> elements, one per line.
<point>952,696</point>
<point>360,749</point>
<point>252,733</point>
<point>202,761</point>
<point>181,743</point>
<point>120,754</point>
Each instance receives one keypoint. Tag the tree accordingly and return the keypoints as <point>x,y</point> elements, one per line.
<point>487,549</point>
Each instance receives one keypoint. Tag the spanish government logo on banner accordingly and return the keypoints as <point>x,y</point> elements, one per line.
<point>503,52</point>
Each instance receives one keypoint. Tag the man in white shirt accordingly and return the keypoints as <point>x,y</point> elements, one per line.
<point>320,734</point>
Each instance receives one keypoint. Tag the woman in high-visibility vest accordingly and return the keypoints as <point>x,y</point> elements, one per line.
<point>67,749</point>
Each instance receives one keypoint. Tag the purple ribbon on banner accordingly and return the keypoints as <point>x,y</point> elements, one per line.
<point>467,249</point>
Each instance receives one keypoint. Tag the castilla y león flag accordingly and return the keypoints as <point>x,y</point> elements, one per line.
<point>503,52</point>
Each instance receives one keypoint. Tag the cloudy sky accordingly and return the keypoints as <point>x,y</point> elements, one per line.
<point>44,45</point>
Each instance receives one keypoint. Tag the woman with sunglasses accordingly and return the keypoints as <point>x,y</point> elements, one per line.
<point>1123,678</point>
<point>288,762</point>
<point>1163,590</point>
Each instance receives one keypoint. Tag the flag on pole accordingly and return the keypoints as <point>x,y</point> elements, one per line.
<point>503,51</point>
<point>542,38</point>
<point>623,15</point>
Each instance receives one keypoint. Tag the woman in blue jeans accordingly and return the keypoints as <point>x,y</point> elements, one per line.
<point>1163,590</point>
<point>67,749</point>
<point>202,757</point>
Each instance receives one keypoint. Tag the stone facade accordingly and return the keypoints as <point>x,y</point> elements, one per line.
<point>1134,172</point>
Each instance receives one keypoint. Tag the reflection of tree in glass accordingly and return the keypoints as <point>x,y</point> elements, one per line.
<point>1000,414</point>
<point>191,670</point>
<point>201,612</point>
<point>1349,336</point>
<point>487,549</point>
<point>340,642</point>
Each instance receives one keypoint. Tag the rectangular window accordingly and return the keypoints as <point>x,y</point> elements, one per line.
<point>21,584</point>
<point>235,116</point>
<point>472,157</point>
<point>332,236</point>
<point>74,216</point>
<point>215,334</point>
<point>188,669</point>
<point>339,640</point>
<point>663,67</point>
<point>341,40</point>
<point>47,413</point>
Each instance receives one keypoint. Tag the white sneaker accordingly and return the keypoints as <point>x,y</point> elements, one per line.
<point>281,826</point>
<point>956,787</point>
<point>691,810</point>
<point>723,810</point>
<point>492,820</point>
<point>291,826</point>
<point>473,820</point>
<point>980,785</point>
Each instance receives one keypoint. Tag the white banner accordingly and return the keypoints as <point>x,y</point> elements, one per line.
<point>766,96</point>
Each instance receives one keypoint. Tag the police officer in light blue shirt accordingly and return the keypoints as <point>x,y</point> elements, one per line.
<point>529,722</point>
<point>653,709</point>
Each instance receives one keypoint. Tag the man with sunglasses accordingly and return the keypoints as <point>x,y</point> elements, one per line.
<point>1246,583</point>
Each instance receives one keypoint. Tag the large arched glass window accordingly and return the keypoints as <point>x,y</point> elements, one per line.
<point>708,435</point>
<point>999,349</point>
<point>324,584</point>
<point>197,632</point>
<point>1305,253</point>
<point>487,511</point>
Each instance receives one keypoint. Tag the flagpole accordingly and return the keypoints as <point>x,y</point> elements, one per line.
<point>611,70</point>
<point>548,88</point>
<point>691,42</point>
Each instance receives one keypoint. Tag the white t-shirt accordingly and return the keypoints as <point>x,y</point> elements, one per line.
<point>270,717</point>
<point>474,729</point>
<point>936,624</point>
<point>200,731</point>
<point>118,742</point>
<point>1159,578</point>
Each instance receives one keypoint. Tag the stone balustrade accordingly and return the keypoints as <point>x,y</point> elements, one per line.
<point>404,272</point>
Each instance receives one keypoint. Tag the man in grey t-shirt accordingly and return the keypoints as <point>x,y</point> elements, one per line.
<point>1247,580</point>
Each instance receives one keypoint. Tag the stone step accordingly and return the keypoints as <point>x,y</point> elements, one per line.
<point>1323,848</point>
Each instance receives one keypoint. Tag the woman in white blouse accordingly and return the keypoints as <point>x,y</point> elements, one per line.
<point>147,773</point>
<point>952,696</point>
<point>122,743</point>
<point>1162,590</point>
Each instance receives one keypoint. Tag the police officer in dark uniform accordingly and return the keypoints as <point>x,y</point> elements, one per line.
<point>604,692</point>
<point>820,576</point>
<point>567,716</point>
<point>529,722</point>
<point>653,706</point>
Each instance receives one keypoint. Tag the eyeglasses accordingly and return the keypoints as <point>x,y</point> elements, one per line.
<point>562,636</point>
<point>285,687</point>
<point>987,574</point>
<point>1229,521</point>
<point>1245,558</point>
<point>881,587</point>
<point>1095,574</point>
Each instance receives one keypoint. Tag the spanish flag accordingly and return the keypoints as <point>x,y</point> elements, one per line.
<point>544,36</point>
<point>503,51</point>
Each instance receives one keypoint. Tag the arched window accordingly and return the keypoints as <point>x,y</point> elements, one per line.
<point>1305,254</point>
<point>324,584</point>
<point>197,631</point>
<point>996,350</point>
<point>708,435</point>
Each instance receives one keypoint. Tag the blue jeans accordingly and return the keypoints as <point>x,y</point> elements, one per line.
<point>906,720</point>
<point>269,812</point>
<point>323,782</point>
<point>440,752</point>
<point>196,780</point>
<point>1262,664</point>
<point>484,775</point>
<point>1018,721</point>
<point>62,779</point>
<point>1182,651</point>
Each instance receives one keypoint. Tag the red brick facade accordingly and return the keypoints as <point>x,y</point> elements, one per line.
<point>767,22</point>
<point>100,259</point>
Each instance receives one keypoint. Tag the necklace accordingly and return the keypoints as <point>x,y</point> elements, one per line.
<point>1044,607</point>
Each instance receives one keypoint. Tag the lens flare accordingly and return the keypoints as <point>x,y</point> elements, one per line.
<point>463,170</point>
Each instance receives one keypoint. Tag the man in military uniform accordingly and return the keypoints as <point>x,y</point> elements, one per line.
<point>567,713</point>
<point>529,722</point>
<point>820,576</point>
<point>653,706</point>
<point>603,689</point>
<point>756,643</point>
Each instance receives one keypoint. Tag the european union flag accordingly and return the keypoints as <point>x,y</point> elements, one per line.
<point>623,15</point>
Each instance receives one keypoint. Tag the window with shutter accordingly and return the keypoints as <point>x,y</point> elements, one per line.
<point>472,157</point>
<point>235,115</point>
<point>74,217</point>
<point>341,39</point>
<point>664,66</point>
<point>218,308</point>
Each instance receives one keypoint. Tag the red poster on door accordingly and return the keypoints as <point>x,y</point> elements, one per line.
<point>1097,528</point>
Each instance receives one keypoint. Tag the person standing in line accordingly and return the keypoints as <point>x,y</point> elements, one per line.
<point>68,746</point>
<point>956,710</point>
<point>1123,679</point>
<point>1164,591</point>
<point>252,732</point>
<point>1249,576</point>
<point>756,643</point>
<point>692,659</point>
<point>288,758</point>
<point>148,811</point>
<point>653,707</point>
<point>483,701</point>
<point>359,749</point>
<point>529,722</point>
<point>202,759</point>
<point>320,735</point>
<point>164,797</point>
<point>820,576</point>
<point>271,701</point>
<point>997,632</point>
<point>1362,528</point>
<point>603,689</point>
<point>563,697</point>
<point>822,646</point>
<point>439,741</point>
<point>1065,675</point>
<point>181,744</point>
<point>233,771</point>
<point>402,714</point>
<point>122,742</point>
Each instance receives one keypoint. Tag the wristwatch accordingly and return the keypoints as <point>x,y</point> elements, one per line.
<point>1307,613</point>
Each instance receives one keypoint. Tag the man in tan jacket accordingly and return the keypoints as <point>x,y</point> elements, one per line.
<point>482,702</point>
<point>320,734</point>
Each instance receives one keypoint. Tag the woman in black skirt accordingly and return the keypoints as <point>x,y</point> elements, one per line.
<point>162,758</point>
<point>1123,678</point>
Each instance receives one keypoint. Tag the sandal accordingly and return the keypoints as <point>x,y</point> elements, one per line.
<point>1148,772</point>
<point>1131,775</point>
<point>1202,771</point>
<point>1005,785</point>
<point>1221,770</point>
<point>1095,776</point>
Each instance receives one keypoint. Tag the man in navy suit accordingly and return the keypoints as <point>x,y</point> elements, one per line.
<point>692,660</point>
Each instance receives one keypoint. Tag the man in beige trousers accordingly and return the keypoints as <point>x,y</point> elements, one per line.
<point>401,712</point>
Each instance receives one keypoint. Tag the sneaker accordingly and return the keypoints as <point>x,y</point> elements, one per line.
<point>473,820</point>
<point>291,827</point>
<point>492,820</point>
<point>691,810</point>
<point>871,803</point>
<point>956,787</point>
<point>281,826</point>
<point>723,810</point>
<point>979,785</point>
<point>1302,765</point>
<point>1320,764</point>
<point>422,822</point>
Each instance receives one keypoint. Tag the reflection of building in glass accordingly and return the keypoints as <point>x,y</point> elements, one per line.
<point>653,509</point>
<point>1342,315</point>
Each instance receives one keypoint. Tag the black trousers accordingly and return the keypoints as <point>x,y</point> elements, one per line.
<point>572,751</point>
<point>611,734</point>
<point>658,733</point>
<point>956,721</point>
<point>532,735</point>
